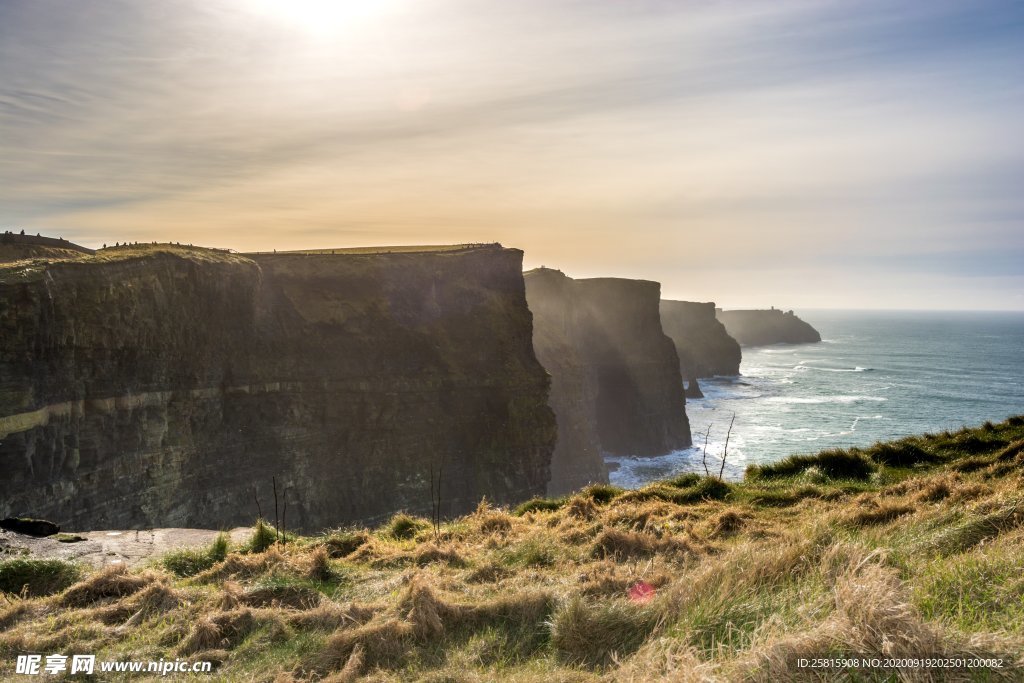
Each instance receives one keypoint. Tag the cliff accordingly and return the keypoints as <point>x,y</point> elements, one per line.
<point>576,460</point>
<point>763,327</point>
<point>17,247</point>
<point>704,346</point>
<point>615,382</point>
<point>165,386</point>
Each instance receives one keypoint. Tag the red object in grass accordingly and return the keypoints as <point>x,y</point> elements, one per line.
<point>641,592</point>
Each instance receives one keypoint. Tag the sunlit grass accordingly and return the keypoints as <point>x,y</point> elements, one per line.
<point>687,579</point>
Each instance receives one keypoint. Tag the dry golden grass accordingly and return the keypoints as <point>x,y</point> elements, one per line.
<point>603,586</point>
<point>115,581</point>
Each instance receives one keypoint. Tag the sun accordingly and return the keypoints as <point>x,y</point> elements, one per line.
<point>318,16</point>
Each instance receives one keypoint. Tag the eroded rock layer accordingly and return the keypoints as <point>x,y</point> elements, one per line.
<point>166,387</point>
<point>616,386</point>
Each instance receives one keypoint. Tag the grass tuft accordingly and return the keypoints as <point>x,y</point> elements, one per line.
<point>114,581</point>
<point>539,505</point>
<point>601,494</point>
<point>191,561</point>
<point>34,577</point>
<point>403,526</point>
<point>344,542</point>
<point>904,453</point>
<point>594,633</point>
<point>833,463</point>
<point>263,537</point>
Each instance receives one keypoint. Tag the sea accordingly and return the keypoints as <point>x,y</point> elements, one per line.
<point>875,376</point>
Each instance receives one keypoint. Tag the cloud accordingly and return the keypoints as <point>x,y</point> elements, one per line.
<point>646,138</point>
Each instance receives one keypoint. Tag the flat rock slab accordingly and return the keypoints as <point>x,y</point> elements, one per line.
<point>101,548</point>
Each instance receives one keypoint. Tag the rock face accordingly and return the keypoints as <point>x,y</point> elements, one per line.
<point>615,382</point>
<point>704,346</point>
<point>166,387</point>
<point>761,327</point>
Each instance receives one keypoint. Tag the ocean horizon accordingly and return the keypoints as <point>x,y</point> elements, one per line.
<point>876,375</point>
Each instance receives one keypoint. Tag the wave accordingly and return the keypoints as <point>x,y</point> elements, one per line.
<point>631,472</point>
<point>858,368</point>
<point>853,427</point>
<point>824,399</point>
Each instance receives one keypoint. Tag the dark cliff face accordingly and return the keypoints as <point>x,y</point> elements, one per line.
<point>577,459</point>
<point>616,386</point>
<point>163,389</point>
<point>640,403</point>
<point>764,327</point>
<point>704,346</point>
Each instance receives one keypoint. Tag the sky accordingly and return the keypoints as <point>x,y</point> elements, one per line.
<point>791,153</point>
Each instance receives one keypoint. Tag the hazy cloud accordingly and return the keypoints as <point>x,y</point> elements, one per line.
<point>687,142</point>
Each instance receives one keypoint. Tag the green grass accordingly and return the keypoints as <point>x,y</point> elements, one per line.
<point>903,453</point>
<point>975,591</point>
<point>691,491</point>
<point>592,633</point>
<point>539,505</point>
<point>263,537</point>
<point>403,526</point>
<point>908,549</point>
<point>342,542</point>
<point>601,493</point>
<point>191,561</point>
<point>35,577</point>
<point>535,551</point>
<point>833,463</point>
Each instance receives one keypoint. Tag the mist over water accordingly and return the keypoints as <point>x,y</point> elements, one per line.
<point>876,375</point>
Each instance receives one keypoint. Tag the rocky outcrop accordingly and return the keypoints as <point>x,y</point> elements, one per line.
<point>764,327</point>
<point>166,387</point>
<point>29,526</point>
<point>693,388</point>
<point>704,346</point>
<point>615,382</point>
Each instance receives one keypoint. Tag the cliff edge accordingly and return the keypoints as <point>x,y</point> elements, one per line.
<point>704,346</point>
<point>764,327</point>
<point>615,381</point>
<point>167,386</point>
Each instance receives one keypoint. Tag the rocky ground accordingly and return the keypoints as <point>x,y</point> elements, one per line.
<point>102,548</point>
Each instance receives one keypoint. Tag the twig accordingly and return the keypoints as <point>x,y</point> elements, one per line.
<point>435,500</point>
<point>704,458</point>
<point>276,522</point>
<point>437,524</point>
<point>725,451</point>
<point>259,510</point>
<point>284,516</point>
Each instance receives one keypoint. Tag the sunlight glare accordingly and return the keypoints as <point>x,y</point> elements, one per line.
<point>319,16</point>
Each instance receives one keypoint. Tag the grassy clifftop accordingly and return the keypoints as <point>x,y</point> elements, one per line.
<point>911,549</point>
<point>33,266</point>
